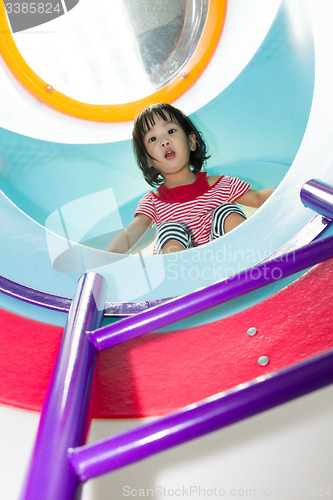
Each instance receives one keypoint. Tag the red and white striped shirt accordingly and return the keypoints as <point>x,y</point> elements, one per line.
<point>196,212</point>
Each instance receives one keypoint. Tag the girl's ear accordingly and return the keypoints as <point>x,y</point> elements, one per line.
<point>193,142</point>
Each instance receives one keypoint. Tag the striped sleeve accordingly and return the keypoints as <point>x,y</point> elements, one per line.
<point>146,207</point>
<point>237,188</point>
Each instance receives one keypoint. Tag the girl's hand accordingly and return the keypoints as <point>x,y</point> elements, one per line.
<point>129,236</point>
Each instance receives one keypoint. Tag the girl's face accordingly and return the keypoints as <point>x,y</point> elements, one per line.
<point>169,146</point>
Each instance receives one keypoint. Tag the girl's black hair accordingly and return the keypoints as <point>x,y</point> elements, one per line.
<point>142,125</point>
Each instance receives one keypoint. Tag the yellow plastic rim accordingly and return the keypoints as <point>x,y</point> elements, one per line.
<point>115,112</point>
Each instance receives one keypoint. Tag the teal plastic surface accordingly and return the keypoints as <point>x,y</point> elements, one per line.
<point>254,129</point>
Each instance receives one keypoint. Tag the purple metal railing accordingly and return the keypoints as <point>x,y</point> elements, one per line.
<point>212,295</point>
<point>66,412</point>
<point>60,463</point>
<point>63,304</point>
<point>318,196</point>
<point>214,413</point>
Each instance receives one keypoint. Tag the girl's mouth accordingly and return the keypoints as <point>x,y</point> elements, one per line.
<point>169,154</point>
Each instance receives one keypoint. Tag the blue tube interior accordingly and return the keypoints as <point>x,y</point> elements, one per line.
<point>253,128</point>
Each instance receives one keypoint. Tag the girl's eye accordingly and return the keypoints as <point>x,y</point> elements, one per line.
<point>152,139</point>
<point>171,131</point>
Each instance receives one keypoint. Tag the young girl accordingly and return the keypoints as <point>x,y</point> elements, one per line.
<point>188,208</point>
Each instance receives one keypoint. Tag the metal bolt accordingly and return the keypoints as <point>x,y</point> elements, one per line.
<point>252,331</point>
<point>184,75</point>
<point>49,88</point>
<point>263,360</point>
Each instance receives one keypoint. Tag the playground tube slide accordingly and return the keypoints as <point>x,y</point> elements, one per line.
<point>264,106</point>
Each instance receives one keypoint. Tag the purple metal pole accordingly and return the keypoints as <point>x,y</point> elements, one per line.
<point>66,412</point>
<point>214,413</point>
<point>213,295</point>
<point>63,304</point>
<point>318,196</point>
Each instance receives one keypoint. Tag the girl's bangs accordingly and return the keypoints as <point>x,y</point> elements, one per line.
<point>147,119</point>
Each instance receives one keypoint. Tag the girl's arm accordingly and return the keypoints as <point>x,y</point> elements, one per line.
<point>254,198</point>
<point>129,236</point>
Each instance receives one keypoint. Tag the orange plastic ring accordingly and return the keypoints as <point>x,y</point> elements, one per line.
<point>115,112</point>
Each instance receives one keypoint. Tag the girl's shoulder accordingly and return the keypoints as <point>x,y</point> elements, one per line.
<point>212,179</point>
<point>148,196</point>
<point>147,199</point>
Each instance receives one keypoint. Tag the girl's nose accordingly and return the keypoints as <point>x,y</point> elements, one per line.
<point>165,142</point>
